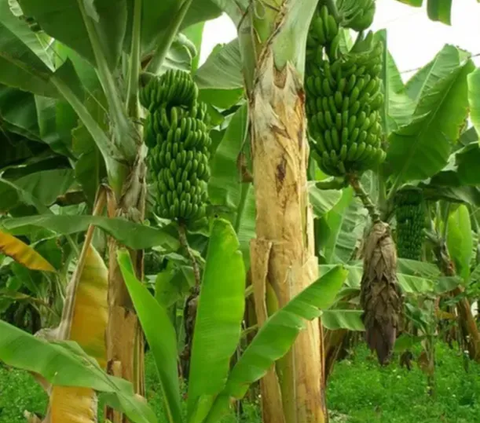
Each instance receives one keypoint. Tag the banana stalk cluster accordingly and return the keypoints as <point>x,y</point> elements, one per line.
<point>410,217</point>
<point>344,98</point>
<point>177,136</point>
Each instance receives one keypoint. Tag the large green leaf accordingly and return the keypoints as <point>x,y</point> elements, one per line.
<point>131,234</point>
<point>18,109</point>
<point>245,222</point>
<point>232,198</point>
<point>63,20</point>
<point>220,78</point>
<point>172,285</point>
<point>460,240</point>
<point>46,186</point>
<point>345,223</point>
<point>160,334</point>
<point>343,319</point>
<point>157,15</point>
<point>461,169</point>
<point>399,107</point>
<point>37,189</point>
<point>421,149</point>
<point>225,186</point>
<point>474,98</point>
<point>90,166</point>
<point>323,200</point>
<point>276,336</point>
<point>454,194</point>
<point>219,316</point>
<point>65,364</point>
<point>20,66</point>
<point>439,10</point>
<point>16,149</point>
<point>418,268</point>
<point>413,277</point>
<point>445,62</point>
<point>201,10</point>
<point>195,34</point>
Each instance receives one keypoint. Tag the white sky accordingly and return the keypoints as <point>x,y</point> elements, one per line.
<point>412,38</point>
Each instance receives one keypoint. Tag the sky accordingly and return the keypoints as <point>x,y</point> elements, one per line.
<point>413,39</point>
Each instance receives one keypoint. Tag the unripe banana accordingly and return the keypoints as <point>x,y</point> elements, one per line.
<point>176,133</point>
<point>343,99</point>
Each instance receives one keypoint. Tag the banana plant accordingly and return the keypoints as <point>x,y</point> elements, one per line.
<point>212,384</point>
<point>82,102</point>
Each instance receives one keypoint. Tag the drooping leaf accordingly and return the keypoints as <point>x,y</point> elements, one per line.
<point>246,223</point>
<point>172,285</point>
<point>220,312</point>
<point>460,170</point>
<point>13,197</point>
<point>446,284</point>
<point>414,284</point>
<point>56,119</point>
<point>200,11</point>
<point>131,234</point>
<point>276,337</point>
<point>47,185</point>
<point>65,364</point>
<point>63,20</point>
<point>446,61</point>
<point>18,109</point>
<point>23,253</point>
<point>399,106</point>
<point>345,221</point>
<point>90,166</point>
<point>195,34</point>
<point>220,78</point>
<point>323,201</point>
<point>460,240</point>
<point>454,194</point>
<point>418,268</point>
<point>20,66</point>
<point>87,325</point>
<point>474,98</point>
<point>439,10</point>
<point>232,198</point>
<point>343,319</point>
<point>421,148</point>
<point>162,342</point>
<point>225,186</point>
<point>156,16</point>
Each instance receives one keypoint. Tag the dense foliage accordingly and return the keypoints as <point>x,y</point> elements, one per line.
<point>147,197</point>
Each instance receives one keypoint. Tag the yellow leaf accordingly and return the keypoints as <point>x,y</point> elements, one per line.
<point>23,253</point>
<point>88,327</point>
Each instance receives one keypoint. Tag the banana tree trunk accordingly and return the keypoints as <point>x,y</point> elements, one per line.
<point>283,256</point>
<point>125,346</point>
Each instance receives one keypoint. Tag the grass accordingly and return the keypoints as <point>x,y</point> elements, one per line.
<point>359,392</point>
<point>362,390</point>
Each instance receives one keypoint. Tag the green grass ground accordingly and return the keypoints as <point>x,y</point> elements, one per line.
<point>359,392</point>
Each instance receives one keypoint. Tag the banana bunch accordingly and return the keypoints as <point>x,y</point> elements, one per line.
<point>343,99</point>
<point>410,216</point>
<point>323,29</point>
<point>356,14</point>
<point>177,135</point>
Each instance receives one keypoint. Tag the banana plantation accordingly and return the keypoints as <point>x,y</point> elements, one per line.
<point>187,241</point>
